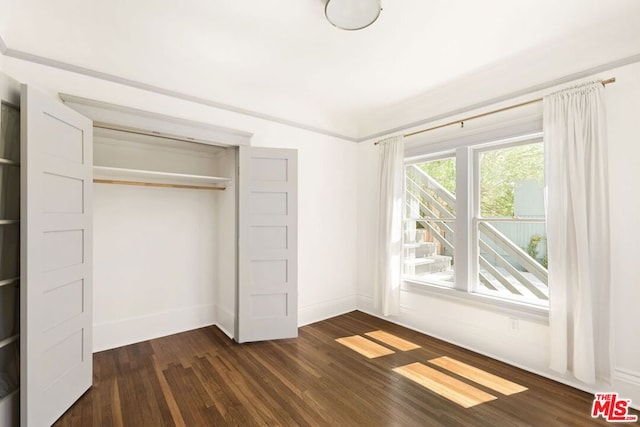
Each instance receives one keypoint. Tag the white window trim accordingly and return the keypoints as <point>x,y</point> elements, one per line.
<point>467,212</point>
<point>508,307</point>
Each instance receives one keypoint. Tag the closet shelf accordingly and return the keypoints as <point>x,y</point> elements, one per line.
<point>5,342</point>
<point>112,175</point>
<point>9,281</point>
<point>4,161</point>
<point>9,221</point>
<point>13,395</point>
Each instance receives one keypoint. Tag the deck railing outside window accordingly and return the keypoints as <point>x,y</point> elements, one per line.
<point>509,224</point>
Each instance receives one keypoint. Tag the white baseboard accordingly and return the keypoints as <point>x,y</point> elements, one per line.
<point>365,304</point>
<point>626,383</point>
<point>306,315</point>
<point>627,376</point>
<point>325,310</point>
<point>226,321</point>
<point>110,335</point>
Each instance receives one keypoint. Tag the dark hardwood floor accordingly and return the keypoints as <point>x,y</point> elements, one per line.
<point>202,378</point>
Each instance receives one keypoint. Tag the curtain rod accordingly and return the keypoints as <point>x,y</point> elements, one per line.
<point>488,113</point>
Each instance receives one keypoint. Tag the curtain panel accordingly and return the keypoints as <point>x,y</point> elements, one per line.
<point>389,236</point>
<point>577,184</point>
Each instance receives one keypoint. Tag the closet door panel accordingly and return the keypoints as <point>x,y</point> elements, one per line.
<point>267,236</point>
<point>56,276</point>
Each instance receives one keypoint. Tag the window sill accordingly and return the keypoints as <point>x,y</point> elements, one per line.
<point>510,308</point>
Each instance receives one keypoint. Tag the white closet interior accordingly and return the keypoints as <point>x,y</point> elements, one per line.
<point>162,211</point>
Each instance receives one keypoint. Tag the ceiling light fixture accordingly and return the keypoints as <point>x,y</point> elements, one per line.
<point>352,14</point>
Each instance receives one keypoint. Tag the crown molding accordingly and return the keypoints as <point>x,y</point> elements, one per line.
<point>25,56</point>
<point>531,89</point>
<point>36,59</point>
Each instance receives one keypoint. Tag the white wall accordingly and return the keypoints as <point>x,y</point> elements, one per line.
<point>489,331</point>
<point>623,107</point>
<point>154,262</point>
<point>327,184</point>
<point>155,249</point>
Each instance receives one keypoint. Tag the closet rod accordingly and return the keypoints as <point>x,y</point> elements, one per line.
<point>156,184</point>
<point>488,113</point>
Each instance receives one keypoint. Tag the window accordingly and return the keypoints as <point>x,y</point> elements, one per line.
<point>475,221</point>
<point>429,221</point>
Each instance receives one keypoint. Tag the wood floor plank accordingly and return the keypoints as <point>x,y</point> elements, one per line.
<point>392,340</point>
<point>455,390</point>
<point>168,395</point>
<point>196,407</point>
<point>364,346</point>
<point>116,413</point>
<point>479,376</point>
<point>139,389</point>
<point>203,378</point>
<point>225,400</point>
<point>285,395</point>
<point>243,381</point>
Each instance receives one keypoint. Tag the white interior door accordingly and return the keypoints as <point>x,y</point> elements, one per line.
<point>267,244</point>
<point>56,308</point>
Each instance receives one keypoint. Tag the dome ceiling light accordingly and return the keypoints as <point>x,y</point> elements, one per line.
<point>352,14</point>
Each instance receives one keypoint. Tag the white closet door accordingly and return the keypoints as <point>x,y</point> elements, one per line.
<point>56,309</point>
<point>267,244</point>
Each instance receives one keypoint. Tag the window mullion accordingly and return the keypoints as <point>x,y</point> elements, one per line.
<point>474,218</point>
<point>463,222</point>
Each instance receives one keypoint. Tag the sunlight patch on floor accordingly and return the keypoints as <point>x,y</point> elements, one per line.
<point>465,394</point>
<point>364,346</point>
<point>479,376</point>
<point>392,340</point>
<point>451,388</point>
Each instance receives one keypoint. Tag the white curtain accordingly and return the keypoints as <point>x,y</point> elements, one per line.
<point>389,236</point>
<point>578,232</point>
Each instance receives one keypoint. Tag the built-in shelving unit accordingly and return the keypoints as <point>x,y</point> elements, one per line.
<point>13,338</point>
<point>9,264</point>
<point>9,281</point>
<point>123,176</point>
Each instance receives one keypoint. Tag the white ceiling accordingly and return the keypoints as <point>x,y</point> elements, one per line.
<point>281,58</point>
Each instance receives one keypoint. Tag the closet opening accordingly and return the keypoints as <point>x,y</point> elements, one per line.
<point>164,211</point>
<point>170,253</point>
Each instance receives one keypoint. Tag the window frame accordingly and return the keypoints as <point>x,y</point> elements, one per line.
<point>466,223</point>
<point>441,155</point>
